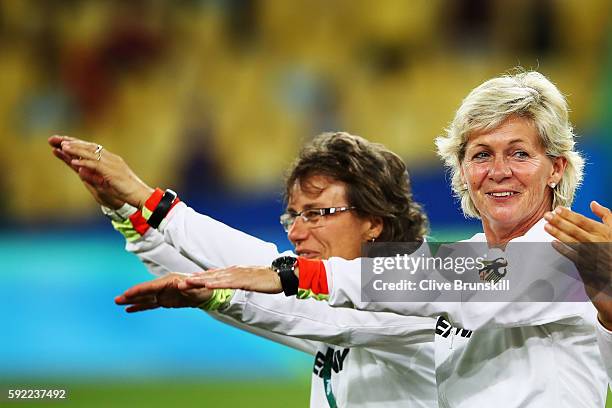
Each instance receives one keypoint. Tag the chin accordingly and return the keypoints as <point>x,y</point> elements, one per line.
<point>314,256</point>
<point>505,215</point>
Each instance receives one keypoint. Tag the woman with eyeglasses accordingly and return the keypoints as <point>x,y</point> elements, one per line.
<point>341,192</point>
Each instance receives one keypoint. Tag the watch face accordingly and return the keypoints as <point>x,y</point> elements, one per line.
<point>284,262</point>
<point>285,267</point>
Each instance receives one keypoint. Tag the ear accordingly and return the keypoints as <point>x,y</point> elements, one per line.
<point>462,176</point>
<point>559,165</point>
<point>373,228</point>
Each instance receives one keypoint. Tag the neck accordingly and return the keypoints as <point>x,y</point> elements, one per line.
<point>499,236</point>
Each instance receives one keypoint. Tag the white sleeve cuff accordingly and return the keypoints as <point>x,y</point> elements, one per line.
<point>120,214</point>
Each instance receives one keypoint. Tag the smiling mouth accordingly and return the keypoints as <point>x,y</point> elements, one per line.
<point>503,194</point>
<point>308,254</point>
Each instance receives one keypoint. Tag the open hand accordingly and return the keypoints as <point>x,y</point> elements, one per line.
<point>101,195</point>
<point>102,170</point>
<point>162,292</point>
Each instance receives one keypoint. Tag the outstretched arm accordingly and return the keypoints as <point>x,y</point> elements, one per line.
<point>200,238</point>
<point>110,183</point>
<point>203,242</point>
<point>339,281</point>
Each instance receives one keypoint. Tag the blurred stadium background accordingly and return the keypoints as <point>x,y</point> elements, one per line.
<point>213,98</point>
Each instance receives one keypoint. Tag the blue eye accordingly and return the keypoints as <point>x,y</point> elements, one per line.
<point>521,155</point>
<point>480,156</point>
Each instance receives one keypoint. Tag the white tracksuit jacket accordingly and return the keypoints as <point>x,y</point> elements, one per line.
<point>516,354</point>
<point>362,359</point>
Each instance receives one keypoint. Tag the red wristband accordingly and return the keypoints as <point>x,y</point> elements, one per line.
<point>154,199</point>
<point>313,276</point>
<point>139,223</point>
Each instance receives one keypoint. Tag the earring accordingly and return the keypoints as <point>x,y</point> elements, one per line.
<point>465,186</point>
<point>372,239</point>
<point>552,185</point>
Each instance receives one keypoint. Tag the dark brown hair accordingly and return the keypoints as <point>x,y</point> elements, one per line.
<point>376,178</point>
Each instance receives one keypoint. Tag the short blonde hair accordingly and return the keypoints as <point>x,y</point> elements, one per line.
<point>525,94</point>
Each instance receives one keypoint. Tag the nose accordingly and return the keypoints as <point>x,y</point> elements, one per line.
<point>500,169</point>
<point>298,231</point>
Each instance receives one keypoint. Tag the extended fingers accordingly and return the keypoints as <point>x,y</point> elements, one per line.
<point>146,288</point>
<point>91,164</point>
<point>558,233</point>
<point>584,223</point>
<point>137,303</point>
<point>62,155</point>
<point>66,158</point>
<point>568,225</point>
<point>602,212</point>
<point>137,299</point>
<point>78,148</point>
<point>141,307</point>
<point>56,140</point>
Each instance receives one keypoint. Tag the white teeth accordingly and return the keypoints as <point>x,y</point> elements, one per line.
<point>504,194</point>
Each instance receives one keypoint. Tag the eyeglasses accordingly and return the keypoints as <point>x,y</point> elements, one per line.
<point>311,216</point>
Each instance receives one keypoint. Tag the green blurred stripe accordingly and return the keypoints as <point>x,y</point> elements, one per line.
<point>252,394</point>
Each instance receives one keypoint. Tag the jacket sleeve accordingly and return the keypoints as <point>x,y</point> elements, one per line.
<point>318,321</point>
<point>211,243</point>
<point>305,345</point>
<point>161,258</point>
<point>287,320</point>
<point>287,316</point>
<point>344,281</point>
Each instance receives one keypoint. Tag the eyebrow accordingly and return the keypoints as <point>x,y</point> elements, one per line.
<point>513,141</point>
<point>308,206</point>
<point>312,205</point>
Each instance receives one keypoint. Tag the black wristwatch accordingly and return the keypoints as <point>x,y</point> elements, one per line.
<point>285,267</point>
